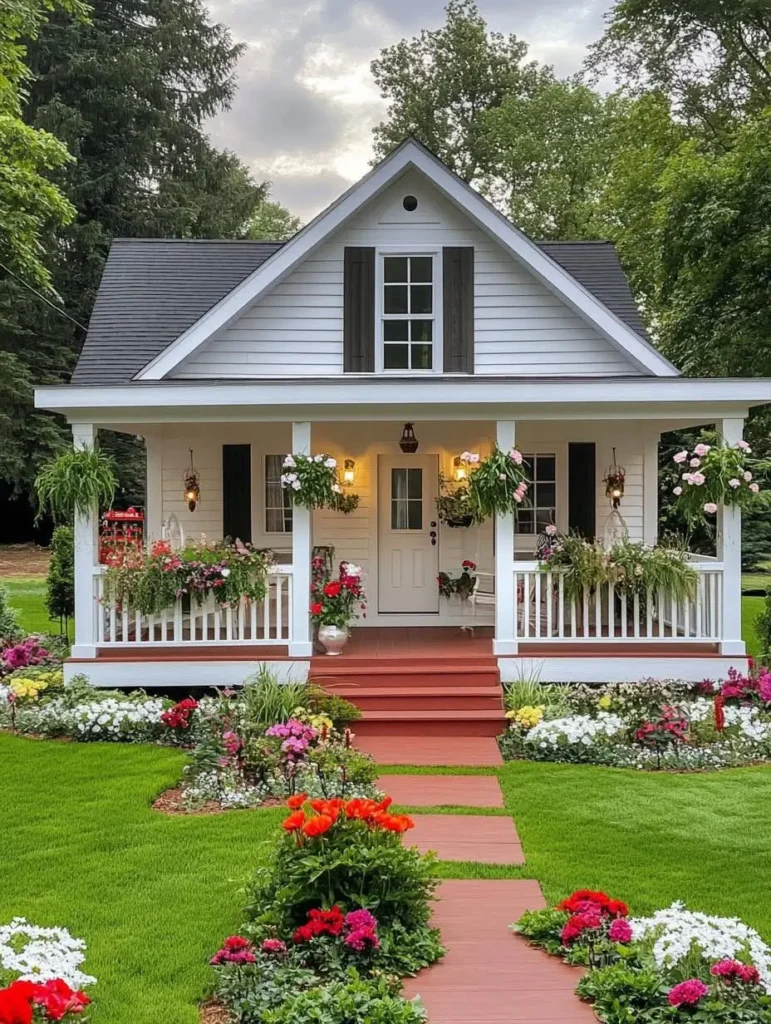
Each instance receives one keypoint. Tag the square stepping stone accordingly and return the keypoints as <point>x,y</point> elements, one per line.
<point>443,790</point>
<point>489,974</point>
<point>483,838</point>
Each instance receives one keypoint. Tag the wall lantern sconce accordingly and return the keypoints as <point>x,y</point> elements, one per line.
<point>408,442</point>
<point>192,485</point>
<point>459,471</point>
<point>614,482</point>
<point>349,472</point>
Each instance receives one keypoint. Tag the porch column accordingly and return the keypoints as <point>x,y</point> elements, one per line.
<point>504,642</point>
<point>85,552</point>
<point>729,552</point>
<point>300,642</point>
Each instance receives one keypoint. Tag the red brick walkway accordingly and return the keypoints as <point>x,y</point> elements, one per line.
<point>478,751</point>
<point>443,790</point>
<point>490,976</point>
<point>477,837</point>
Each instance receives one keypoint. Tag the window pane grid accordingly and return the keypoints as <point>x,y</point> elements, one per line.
<point>406,499</point>
<point>278,504</point>
<point>408,312</point>
<point>539,506</point>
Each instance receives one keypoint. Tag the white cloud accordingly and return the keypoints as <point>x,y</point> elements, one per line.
<point>306,103</point>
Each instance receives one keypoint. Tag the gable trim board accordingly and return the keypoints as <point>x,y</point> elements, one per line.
<point>411,155</point>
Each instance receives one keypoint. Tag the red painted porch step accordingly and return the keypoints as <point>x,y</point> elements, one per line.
<point>481,722</point>
<point>443,790</point>
<point>489,975</point>
<point>423,698</point>
<point>483,838</point>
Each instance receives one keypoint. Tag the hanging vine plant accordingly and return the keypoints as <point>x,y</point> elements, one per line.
<point>76,481</point>
<point>498,485</point>
<point>312,482</point>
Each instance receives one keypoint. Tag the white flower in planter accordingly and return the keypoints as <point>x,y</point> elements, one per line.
<point>680,457</point>
<point>677,490</point>
<point>336,488</point>
<point>352,570</point>
<point>289,462</point>
<point>318,458</point>
<point>734,483</point>
<point>296,485</point>
<point>330,463</point>
<point>747,476</point>
<point>226,573</point>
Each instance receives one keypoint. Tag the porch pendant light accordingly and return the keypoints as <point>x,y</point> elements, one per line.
<point>408,442</point>
<point>192,485</point>
<point>614,482</point>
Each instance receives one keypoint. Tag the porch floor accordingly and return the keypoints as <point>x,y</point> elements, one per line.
<point>419,642</point>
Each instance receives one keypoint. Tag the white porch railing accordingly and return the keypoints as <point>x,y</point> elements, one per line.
<point>544,612</point>
<point>188,623</point>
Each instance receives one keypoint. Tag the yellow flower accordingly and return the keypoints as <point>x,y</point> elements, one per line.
<point>526,717</point>
<point>605,702</point>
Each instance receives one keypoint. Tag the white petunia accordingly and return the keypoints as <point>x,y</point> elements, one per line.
<point>330,463</point>
<point>42,954</point>
<point>289,462</point>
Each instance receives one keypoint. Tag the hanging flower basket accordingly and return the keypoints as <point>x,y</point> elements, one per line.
<point>312,483</point>
<point>498,484</point>
<point>717,474</point>
<point>453,507</point>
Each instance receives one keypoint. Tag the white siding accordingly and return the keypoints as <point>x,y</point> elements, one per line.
<point>520,326</point>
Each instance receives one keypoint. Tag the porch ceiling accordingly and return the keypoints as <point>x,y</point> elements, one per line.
<point>677,400</point>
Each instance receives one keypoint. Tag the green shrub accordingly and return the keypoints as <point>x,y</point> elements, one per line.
<point>10,630</point>
<point>763,629</point>
<point>265,701</point>
<point>60,584</point>
<point>354,1001</point>
<point>341,711</point>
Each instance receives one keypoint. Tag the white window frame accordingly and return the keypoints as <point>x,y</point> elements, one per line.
<point>437,343</point>
<point>265,508</point>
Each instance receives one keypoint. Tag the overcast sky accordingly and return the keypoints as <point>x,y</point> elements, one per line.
<point>306,102</point>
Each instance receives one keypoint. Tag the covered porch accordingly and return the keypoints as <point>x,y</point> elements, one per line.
<point>519,610</point>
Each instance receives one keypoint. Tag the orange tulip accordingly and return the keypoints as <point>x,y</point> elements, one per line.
<point>318,826</point>
<point>296,801</point>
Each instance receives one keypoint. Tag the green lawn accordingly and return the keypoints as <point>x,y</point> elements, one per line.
<point>153,895</point>
<point>751,608</point>
<point>27,597</point>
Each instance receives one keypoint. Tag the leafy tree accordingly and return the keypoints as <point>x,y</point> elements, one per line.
<point>60,582</point>
<point>440,85</point>
<point>30,204</point>
<point>547,154</point>
<point>712,58</point>
<point>272,222</point>
<point>129,92</point>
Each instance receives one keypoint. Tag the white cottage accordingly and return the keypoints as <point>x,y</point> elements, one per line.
<point>410,300</point>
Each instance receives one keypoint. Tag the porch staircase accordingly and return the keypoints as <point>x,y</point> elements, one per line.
<point>412,695</point>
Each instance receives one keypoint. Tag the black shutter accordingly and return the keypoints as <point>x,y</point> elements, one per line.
<point>359,310</point>
<point>458,313</point>
<point>237,491</point>
<point>582,489</point>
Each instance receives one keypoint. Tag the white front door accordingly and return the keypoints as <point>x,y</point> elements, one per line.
<point>408,560</point>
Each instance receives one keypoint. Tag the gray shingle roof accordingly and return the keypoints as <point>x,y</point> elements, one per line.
<point>153,290</point>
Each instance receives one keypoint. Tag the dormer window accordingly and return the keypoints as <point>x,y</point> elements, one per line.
<point>408,318</point>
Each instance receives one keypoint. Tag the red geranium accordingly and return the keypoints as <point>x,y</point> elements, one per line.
<point>333,588</point>
<point>320,922</point>
<point>178,717</point>
<point>16,1003</point>
<point>58,999</point>
<point>235,950</point>
<point>317,608</point>
<point>585,899</point>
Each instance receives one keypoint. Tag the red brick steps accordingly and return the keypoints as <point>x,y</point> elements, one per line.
<point>489,975</point>
<point>424,698</point>
<point>442,790</point>
<point>431,723</point>
<point>483,838</point>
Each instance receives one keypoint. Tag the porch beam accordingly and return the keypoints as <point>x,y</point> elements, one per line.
<point>300,637</point>
<point>729,552</point>
<point>504,642</point>
<point>85,555</point>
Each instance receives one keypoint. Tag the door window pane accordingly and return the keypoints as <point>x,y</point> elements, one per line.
<point>406,499</point>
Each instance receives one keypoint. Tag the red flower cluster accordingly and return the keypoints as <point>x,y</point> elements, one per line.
<point>55,997</point>
<point>336,599</point>
<point>320,922</point>
<point>468,565</point>
<point>687,993</point>
<point>590,912</point>
<point>235,950</point>
<point>669,727</point>
<point>178,717</point>
<point>734,970</point>
<point>750,689</point>
<point>327,812</point>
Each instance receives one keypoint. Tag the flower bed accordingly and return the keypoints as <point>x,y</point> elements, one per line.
<point>653,724</point>
<point>41,974</point>
<point>675,965</point>
<point>339,916</point>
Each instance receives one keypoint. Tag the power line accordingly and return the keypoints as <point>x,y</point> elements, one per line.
<point>40,295</point>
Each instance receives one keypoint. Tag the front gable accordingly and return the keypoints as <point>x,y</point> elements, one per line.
<point>520,326</point>
<point>531,317</point>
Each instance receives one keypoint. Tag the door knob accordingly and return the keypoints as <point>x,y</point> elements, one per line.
<point>433,542</point>
<point>433,524</point>
<point>432,533</point>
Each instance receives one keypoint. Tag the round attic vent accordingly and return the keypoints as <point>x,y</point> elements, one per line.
<point>410,203</point>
